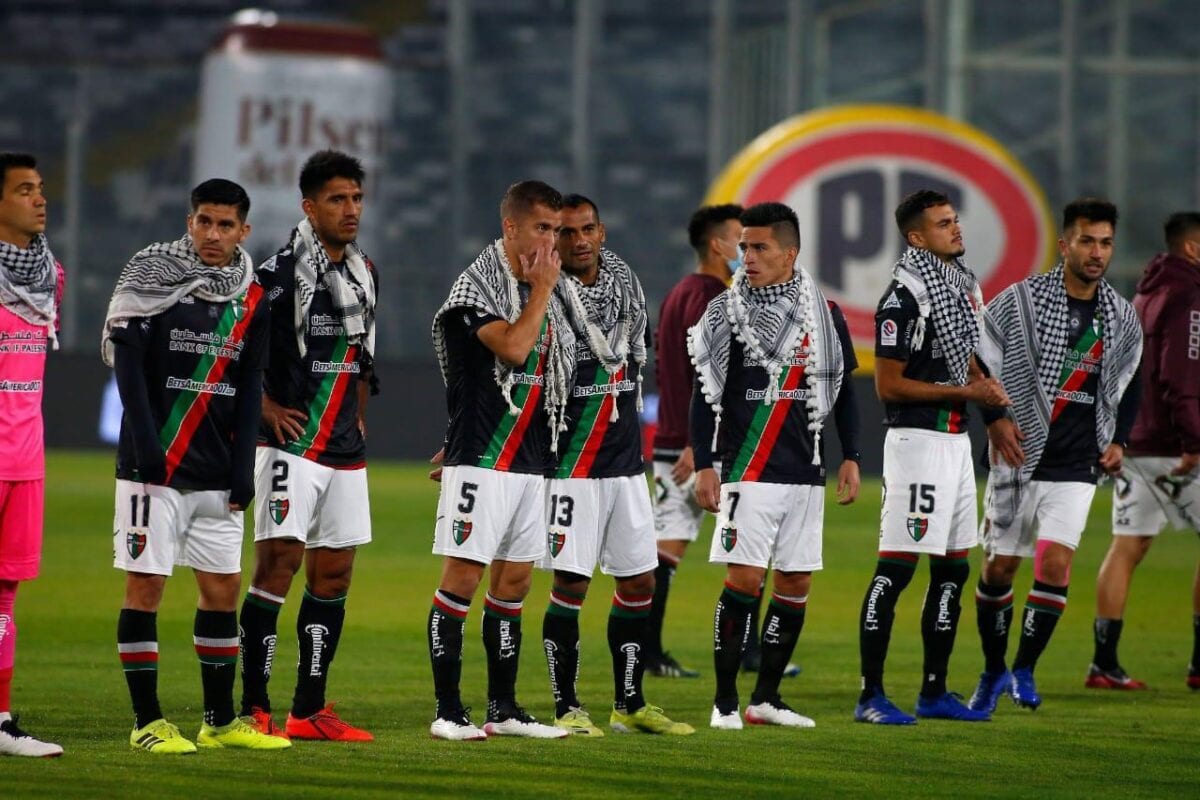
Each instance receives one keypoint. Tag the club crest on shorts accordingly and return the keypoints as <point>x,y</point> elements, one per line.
<point>461,529</point>
<point>728,538</point>
<point>918,527</point>
<point>556,540</point>
<point>279,507</point>
<point>135,543</point>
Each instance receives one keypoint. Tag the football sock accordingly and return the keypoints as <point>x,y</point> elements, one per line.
<point>626,632</point>
<point>1107,634</point>
<point>939,617</point>
<point>502,641</point>
<point>993,613</point>
<point>318,629</point>
<point>137,644</point>
<point>215,636</point>
<point>731,627</point>
<point>755,613</point>
<point>257,633</point>
<point>1042,610</point>
<point>663,574</point>
<point>893,572</point>
<point>781,630</point>
<point>447,619</point>
<point>8,642</point>
<point>560,639</point>
<point>1195,642</point>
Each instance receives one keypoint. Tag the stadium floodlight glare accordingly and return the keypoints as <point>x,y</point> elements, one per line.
<point>255,16</point>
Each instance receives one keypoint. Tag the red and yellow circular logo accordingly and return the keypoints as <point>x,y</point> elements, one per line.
<point>844,170</point>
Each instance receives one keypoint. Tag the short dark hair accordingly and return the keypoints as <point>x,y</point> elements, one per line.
<point>784,224</point>
<point>14,161</point>
<point>912,208</point>
<point>1179,225</point>
<point>324,166</point>
<point>704,222</point>
<point>522,196</point>
<point>574,200</point>
<point>221,192</point>
<point>1093,209</point>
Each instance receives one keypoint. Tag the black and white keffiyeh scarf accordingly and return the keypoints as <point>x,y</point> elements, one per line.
<point>771,322</point>
<point>29,283</point>
<point>1026,332</point>
<point>951,296</point>
<point>353,299</point>
<point>490,286</point>
<point>610,316</point>
<point>158,276</point>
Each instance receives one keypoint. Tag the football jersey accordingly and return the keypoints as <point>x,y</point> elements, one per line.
<point>682,308</point>
<point>1071,453</point>
<point>895,326</point>
<point>481,431</point>
<point>772,443</point>
<point>194,356</point>
<point>595,445</point>
<point>324,382</point>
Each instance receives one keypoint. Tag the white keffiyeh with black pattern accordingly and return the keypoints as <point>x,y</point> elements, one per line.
<point>1026,336</point>
<point>490,286</point>
<point>29,283</point>
<point>158,276</point>
<point>610,316</point>
<point>948,294</point>
<point>771,323</point>
<point>353,300</point>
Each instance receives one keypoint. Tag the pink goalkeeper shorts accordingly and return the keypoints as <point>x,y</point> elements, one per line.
<point>21,510</point>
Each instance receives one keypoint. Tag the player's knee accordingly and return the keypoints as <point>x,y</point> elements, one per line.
<point>744,579</point>
<point>276,563</point>
<point>576,585</point>
<point>637,584</point>
<point>1000,570</point>
<point>143,592</point>
<point>218,592</point>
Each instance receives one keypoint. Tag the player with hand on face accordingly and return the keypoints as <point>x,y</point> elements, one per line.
<point>186,333</point>
<point>507,356</point>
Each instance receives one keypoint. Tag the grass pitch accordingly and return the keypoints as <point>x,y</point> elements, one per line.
<point>1081,743</point>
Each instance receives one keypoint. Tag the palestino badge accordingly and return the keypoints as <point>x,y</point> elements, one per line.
<point>135,543</point>
<point>461,530</point>
<point>557,540</point>
<point>843,169</point>
<point>279,507</point>
<point>918,527</point>
<point>728,538</point>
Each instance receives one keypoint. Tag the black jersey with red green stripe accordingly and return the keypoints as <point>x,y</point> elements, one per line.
<point>323,383</point>
<point>771,443</point>
<point>594,444</point>
<point>194,356</point>
<point>481,431</point>
<point>1071,452</point>
<point>895,326</point>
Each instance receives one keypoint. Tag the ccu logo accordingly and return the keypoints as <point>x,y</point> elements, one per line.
<point>844,170</point>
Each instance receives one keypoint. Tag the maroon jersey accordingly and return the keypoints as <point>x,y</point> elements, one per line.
<point>682,308</point>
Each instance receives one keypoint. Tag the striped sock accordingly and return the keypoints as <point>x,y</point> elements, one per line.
<point>447,619</point>
<point>137,645</point>
<point>560,639</point>
<point>258,633</point>
<point>215,636</point>
<point>1043,607</point>
<point>626,639</point>
<point>781,630</point>
<point>502,642</point>
<point>993,615</point>
<point>731,628</point>
<point>893,572</point>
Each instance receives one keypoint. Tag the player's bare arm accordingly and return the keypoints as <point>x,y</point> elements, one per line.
<point>286,423</point>
<point>683,467</point>
<point>708,490</point>
<point>1112,458</point>
<point>435,474</point>
<point>512,342</point>
<point>1005,437</point>
<point>893,387</point>
<point>1187,464</point>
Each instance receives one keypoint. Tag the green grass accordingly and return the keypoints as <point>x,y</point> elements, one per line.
<point>1081,743</point>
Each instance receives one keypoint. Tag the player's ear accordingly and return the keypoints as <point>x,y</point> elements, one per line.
<point>509,226</point>
<point>1062,248</point>
<point>245,233</point>
<point>603,232</point>
<point>307,206</point>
